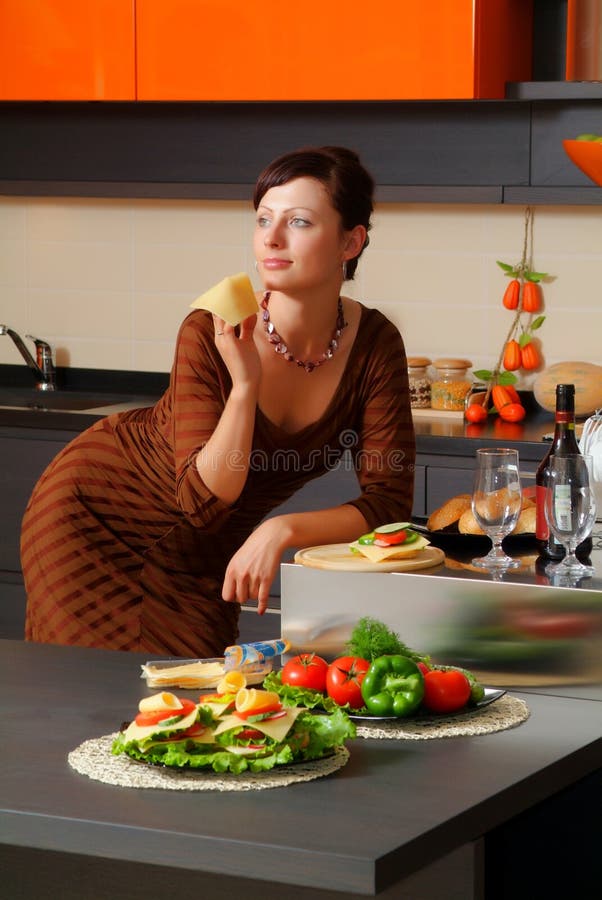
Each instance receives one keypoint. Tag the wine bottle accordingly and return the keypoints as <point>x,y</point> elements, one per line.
<point>564,442</point>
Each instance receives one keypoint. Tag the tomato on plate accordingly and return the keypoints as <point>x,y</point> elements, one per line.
<point>344,680</point>
<point>307,670</point>
<point>445,691</point>
<point>153,717</point>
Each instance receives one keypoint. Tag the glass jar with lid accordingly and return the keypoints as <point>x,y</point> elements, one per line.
<point>450,384</point>
<point>419,381</point>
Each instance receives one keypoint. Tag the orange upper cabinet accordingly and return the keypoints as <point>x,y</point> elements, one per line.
<point>67,49</point>
<point>320,50</point>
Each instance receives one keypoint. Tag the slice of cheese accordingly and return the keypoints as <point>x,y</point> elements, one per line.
<point>136,732</point>
<point>158,702</point>
<point>233,299</point>
<point>248,699</point>
<point>277,729</point>
<point>187,675</point>
<point>380,554</point>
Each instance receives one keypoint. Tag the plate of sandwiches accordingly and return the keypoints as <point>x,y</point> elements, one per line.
<point>452,526</point>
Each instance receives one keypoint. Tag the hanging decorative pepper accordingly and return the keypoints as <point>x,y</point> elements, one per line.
<point>522,295</point>
<point>531,301</point>
<point>512,294</point>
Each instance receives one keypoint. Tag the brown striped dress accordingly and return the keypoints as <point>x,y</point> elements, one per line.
<point>124,547</point>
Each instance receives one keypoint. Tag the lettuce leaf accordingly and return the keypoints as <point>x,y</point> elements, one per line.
<point>297,696</point>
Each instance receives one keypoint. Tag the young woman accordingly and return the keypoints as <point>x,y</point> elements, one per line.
<point>149,529</point>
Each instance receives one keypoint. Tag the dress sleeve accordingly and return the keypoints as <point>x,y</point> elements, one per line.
<point>199,386</point>
<point>386,450</point>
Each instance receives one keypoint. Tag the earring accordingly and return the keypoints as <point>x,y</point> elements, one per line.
<point>256,266</point>
<point>344,270</point>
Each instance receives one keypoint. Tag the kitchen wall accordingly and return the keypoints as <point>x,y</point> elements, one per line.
<point>107,282</point>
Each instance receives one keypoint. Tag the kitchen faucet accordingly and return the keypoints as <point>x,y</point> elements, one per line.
<point>43,368</point>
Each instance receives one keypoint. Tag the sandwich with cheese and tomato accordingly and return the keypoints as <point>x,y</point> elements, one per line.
<point>230,732</point>
<point>395,541</point>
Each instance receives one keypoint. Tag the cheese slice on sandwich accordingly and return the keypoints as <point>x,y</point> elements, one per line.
<point>276,728</point>
<point>233,299</point>
<point>396,551</point>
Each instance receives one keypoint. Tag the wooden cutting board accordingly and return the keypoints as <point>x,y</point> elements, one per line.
<point>338,557</point>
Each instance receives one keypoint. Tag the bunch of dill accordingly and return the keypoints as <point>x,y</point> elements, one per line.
<point>371,638</point>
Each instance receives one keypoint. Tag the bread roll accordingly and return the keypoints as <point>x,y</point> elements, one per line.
<point>467,523</point>
<point>449,513</point>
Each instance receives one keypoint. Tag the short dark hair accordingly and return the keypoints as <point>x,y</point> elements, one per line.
<point>350,185</point>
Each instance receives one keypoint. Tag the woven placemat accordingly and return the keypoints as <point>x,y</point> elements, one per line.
<point>507,712</point>
<point>94,759</point>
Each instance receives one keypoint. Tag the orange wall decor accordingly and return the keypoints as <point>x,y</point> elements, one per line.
<point>67,50</point>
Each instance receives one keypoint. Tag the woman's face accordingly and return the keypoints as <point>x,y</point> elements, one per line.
<point>298,241</point>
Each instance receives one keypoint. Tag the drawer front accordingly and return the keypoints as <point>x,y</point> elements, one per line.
<point>21,464</point>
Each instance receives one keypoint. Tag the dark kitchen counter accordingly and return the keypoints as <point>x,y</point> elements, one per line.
<point>436,434</point>
<point>396,808</point>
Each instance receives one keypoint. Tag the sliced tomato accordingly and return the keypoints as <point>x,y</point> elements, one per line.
<point>153,717</point>
<point>272,707</point>
<point>389,540</point>
<point>195,730</point>
<point>250,734</point>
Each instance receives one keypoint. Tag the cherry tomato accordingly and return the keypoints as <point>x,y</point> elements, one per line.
<point>306,671</point>
<point>475,413</point>
<point>512,412</point>
<point>344,679</point>
<point>153,717</point>
<point>445,691</point>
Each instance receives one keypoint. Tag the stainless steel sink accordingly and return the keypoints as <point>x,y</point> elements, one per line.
<point>67,401</point>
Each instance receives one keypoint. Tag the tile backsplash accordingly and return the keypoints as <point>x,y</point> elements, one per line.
<point>107,282</point>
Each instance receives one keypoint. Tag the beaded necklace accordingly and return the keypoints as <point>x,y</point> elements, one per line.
<point>280,347</point>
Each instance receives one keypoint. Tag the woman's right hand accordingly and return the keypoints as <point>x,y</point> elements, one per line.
<point>238,351</point>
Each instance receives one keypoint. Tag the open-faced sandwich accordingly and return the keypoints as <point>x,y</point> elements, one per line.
<point>394,541</point>
<point>246,729</point>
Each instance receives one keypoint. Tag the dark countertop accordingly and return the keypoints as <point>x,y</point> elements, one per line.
<point>433,432</point>
<point>302,836</point>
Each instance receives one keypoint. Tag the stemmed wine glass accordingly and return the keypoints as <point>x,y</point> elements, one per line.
<point>496,502</point>
<point>570,509</point>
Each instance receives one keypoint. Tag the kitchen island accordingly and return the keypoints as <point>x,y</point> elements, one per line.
<point>469,817</point>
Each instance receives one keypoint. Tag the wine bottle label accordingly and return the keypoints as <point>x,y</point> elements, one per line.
<point>563,417</point>
<point>562,507</point>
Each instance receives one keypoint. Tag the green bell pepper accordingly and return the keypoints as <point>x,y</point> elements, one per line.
<point>393,686</point>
